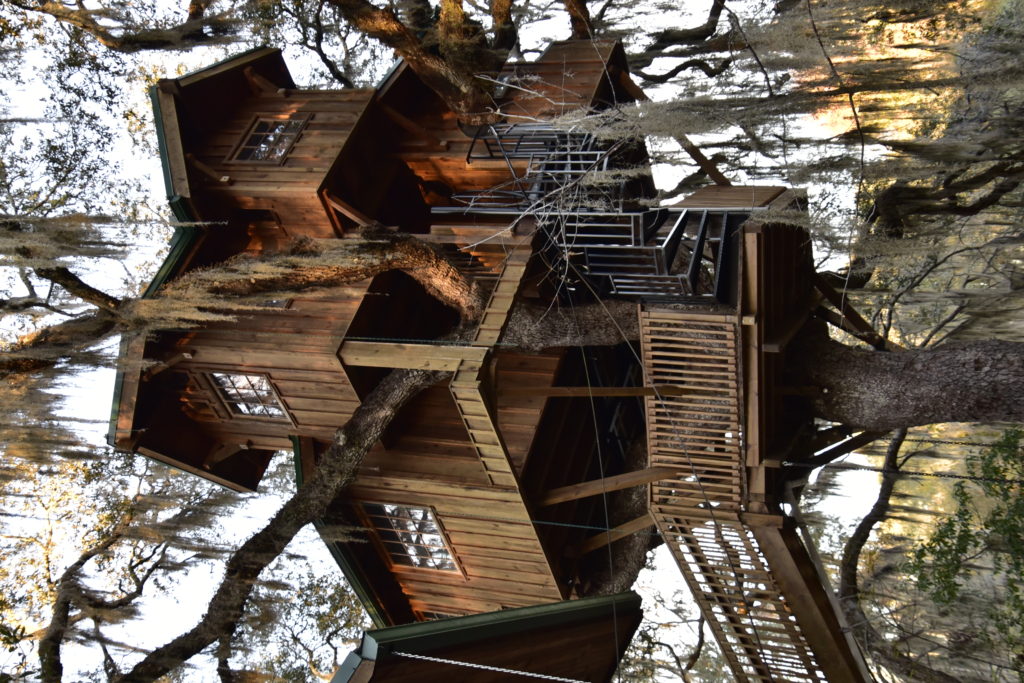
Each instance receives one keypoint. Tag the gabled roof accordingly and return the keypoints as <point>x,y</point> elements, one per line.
<point>579,640</point>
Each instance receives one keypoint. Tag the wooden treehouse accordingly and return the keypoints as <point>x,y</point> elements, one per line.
<point>485,493</point>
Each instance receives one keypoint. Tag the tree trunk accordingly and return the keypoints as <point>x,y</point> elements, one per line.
<point>957,382</point>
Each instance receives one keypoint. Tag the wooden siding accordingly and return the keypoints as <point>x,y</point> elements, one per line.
<point>567,77</point>
<point>465,470</point>
<point>296,349</point>
<point>289,189</point>
<point>501,560</point>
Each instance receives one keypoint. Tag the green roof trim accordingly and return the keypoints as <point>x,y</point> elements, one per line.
<point>181,243</point>
<point>357,580</point>
<point>430,636</point>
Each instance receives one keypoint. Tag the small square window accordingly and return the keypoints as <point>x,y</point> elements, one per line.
<point>269,140</point>
<point>410,536</point>
<point>249,395</point>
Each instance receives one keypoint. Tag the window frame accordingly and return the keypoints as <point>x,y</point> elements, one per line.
<point>229,404</point>
<point>303,121</point>
<point>367,518</point>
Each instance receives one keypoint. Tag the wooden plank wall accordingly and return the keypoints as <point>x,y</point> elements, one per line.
<point>565,78</point>
<point>296,347</point>
<point>491,535</point>
<point>583,651</point>
<point>288,189</point>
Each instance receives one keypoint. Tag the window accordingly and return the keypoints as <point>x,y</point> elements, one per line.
<point>249,395</point>
<point>269,140</point>
<point>411,536</point>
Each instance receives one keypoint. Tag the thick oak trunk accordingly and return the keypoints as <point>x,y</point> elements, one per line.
<point>956,382</point>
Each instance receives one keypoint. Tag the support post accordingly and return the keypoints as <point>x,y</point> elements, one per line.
<point>608,537</point>
<point>596,487</point>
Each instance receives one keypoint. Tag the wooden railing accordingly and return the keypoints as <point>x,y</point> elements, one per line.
<point>699,509</point>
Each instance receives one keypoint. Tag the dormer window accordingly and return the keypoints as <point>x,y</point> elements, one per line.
<point>248,395</point>
<point>411,537</point>
<point>269,140</point>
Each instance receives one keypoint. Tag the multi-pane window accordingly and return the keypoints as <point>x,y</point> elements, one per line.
<point>269,140</point>
<point>248,395</point>
<point>411,536</point>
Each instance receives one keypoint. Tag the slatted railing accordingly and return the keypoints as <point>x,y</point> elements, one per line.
<point>467,385</point>
<point>699,511</point>
<point>740,598</point>
<point>699,431</point>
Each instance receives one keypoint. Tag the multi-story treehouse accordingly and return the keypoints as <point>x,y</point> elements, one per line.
<point>486,491</point>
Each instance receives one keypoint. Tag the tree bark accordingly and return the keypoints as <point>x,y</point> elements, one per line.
<point>451,75</point>
<point>957,382</point>
<point>605,323</point>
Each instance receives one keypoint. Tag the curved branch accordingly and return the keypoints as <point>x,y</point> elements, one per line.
<point>199,31</point>
<point>849,588</point>
<point>324,264</point>
<point>699,64</point>
<point>506,35</point>
<point>674,37</point>
<point>75,286</point>
<point>51,668</point>
<point>452,79</point>
<point>49,346</point>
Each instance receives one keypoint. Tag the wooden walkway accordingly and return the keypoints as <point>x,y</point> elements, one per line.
<point>743,560</point>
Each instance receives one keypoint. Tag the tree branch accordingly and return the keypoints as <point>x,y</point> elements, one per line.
<point>75,286</point>
<point>579,19</point>
<point>336,471</point>
<point>849,588</point>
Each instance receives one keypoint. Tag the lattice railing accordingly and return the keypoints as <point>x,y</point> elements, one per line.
<point>744,606</point>
<point>697,432</point>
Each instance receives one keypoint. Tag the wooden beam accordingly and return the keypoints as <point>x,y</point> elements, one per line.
<point>816,612</point>
<point>410,126</point>
<point>223,452</point>
<point>208,171</point>
<point>842,448</point>
<point>260,82</point>
<point>855,324</point>
<point>155,370</point>
<point>596,487</point>
<point>347,210</point>
<point>608,537</point>
<point>407,356</point>
<point>777,343</point>
<point>656,390</point>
